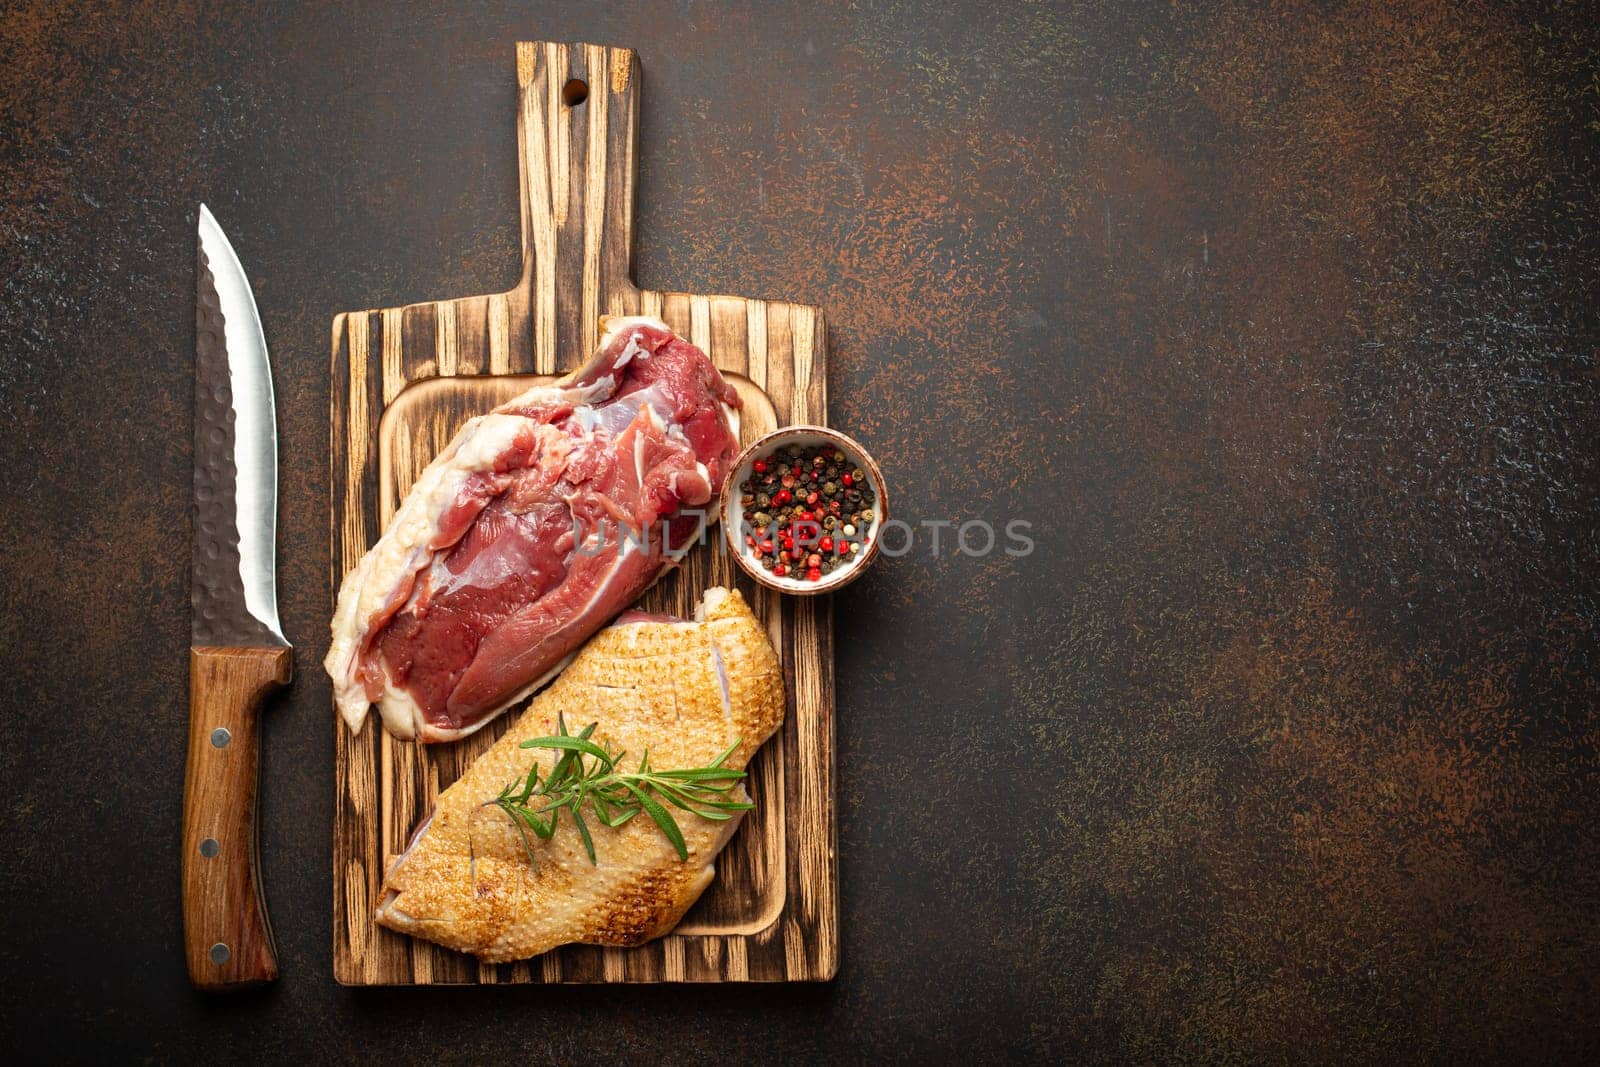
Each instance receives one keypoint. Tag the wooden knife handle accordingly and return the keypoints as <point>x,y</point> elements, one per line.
<point>226,936</point>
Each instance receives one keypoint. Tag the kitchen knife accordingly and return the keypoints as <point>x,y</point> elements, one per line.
<point>237,653</point>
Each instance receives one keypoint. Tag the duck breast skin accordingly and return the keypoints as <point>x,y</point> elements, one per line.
<point>684,691</point>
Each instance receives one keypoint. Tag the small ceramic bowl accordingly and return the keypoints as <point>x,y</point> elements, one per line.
<point>733,532</point>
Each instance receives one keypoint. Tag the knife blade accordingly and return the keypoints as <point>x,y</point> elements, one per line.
<point>238,653</point>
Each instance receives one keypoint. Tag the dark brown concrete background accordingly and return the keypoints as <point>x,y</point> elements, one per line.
<point>1279,324</point>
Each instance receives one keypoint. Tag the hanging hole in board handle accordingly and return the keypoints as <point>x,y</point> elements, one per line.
<point>575,92</point>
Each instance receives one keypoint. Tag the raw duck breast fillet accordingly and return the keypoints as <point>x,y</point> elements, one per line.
<point>479,591</point>
<point>683,691</point>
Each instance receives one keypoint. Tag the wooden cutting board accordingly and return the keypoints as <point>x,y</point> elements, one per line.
<point>405,378</point>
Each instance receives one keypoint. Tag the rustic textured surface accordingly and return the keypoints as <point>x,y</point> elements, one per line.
<point>1279,324</point>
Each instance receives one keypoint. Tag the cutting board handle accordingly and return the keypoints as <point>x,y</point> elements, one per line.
<point>577,135</point>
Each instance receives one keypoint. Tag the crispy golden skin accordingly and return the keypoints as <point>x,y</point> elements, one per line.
<point>466,882</point>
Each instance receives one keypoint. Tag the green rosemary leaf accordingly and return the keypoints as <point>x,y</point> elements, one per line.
<point>663,818</point>
<point>583,831</point>
<point>702,774</point>
<point>725,805</point>
<point>712,797</point>
<point>572,744</point>
<point>564,765</point>
<point>545,828</point>
<point>530,785</point>
<point>622,818</point>
<point>527,846</point>
<point>689,806</point>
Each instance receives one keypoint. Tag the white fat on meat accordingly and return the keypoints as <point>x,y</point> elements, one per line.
<point>403,550</point>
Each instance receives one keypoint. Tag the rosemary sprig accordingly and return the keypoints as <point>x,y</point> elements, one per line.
<point>587,774</point>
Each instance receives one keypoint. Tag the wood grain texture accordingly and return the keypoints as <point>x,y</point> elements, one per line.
<point>405,378</point>
<point>222,899</point>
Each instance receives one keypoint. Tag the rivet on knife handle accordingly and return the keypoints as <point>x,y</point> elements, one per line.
<point>227,938</point>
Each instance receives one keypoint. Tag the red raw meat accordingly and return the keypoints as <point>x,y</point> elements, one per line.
<point>478,592</point>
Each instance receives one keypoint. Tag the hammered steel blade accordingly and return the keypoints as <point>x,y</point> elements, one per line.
<point>235,598</point>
